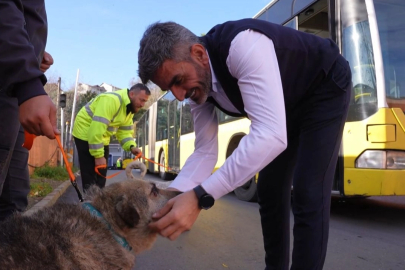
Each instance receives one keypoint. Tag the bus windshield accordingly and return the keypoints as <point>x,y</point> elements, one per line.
<point>391,26</point>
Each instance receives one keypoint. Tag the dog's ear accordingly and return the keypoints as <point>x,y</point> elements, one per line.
<point>127,212</point>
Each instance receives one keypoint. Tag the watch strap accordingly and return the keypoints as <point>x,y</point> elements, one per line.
<point>199,191</point>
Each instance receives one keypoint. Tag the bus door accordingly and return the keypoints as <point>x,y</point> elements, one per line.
<point>319,19</point>
<point>174,136</point>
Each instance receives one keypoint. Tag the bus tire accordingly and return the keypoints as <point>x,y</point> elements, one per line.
<point>162,172</point>
<point>247,192</point>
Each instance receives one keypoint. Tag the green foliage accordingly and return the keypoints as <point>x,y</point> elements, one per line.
<point>69,105</point>
<point>40,189</point>
<point>84,99</point>
<point>48,172</point>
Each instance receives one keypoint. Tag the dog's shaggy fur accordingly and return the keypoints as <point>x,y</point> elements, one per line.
<point>135,165</point>
<point>67,236</point>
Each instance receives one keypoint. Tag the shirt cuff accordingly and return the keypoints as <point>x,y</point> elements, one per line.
<point>28,89</point>
<point>216,186</point>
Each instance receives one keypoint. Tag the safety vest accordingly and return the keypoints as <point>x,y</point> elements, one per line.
<point>118,164</point>
<point>104,116</point>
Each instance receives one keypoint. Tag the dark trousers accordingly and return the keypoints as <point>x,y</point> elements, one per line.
<point>14,176</point>
<point>314,131</point>
<point>87,165</point>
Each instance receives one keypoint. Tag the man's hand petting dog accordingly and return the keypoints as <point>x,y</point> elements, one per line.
<point>177,216</point>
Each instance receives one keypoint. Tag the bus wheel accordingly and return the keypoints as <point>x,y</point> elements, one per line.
<point>162,172</point>
<point>247,192</point>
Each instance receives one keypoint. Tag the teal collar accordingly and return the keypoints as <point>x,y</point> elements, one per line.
<point>94,212</point>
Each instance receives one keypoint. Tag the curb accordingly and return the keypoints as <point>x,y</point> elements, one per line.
<point>49,199</point>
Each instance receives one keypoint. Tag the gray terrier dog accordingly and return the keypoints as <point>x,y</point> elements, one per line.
<point>103,233</point>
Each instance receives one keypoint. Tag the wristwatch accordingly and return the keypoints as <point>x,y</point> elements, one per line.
<point>205,200</point>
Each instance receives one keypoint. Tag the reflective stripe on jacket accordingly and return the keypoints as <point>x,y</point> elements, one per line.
<point>102,117</point>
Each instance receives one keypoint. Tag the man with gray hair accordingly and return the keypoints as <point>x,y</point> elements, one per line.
<point>294,87</point>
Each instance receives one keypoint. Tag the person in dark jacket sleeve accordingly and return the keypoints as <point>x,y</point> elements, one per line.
<point>294,87</point>
<point>23,61</point>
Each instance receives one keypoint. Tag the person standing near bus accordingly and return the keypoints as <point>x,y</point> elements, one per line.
<point>118,164</point>
<point>294,87</point>
<point>24,103</point>
<point>107,114</point>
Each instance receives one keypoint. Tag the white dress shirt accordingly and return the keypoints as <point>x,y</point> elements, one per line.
<point>252,61</point>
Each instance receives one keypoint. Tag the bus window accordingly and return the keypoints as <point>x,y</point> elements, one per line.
<point>162,115</point>
<point>314,20</point>
<point>187,125</point>
<point>146,128</point>
<point>140,127</point>
<point>390,20</point>
<point>293,23</point>
<point>174,135</point>
<point>300,5</point>
<point>278,12</point>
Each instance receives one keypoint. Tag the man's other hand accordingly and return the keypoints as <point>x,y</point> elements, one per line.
<point>47,62</point>
<point>38,116</point>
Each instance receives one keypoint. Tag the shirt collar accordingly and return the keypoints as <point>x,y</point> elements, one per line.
<point>129,108</point>
<point>213,77</point>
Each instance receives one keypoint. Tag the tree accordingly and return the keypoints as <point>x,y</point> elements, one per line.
<point>67,112</point>
<point>84,99</point>
<point>51,89</point>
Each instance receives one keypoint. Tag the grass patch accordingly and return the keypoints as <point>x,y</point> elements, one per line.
<point>48,172</point>
<point>40,189</point>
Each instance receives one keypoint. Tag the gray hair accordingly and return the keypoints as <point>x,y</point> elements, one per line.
<point>161,42</point>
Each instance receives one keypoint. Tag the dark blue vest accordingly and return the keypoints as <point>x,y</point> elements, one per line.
<point>303,59</point>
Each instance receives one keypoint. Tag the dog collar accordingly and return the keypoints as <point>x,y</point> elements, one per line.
<point>94,212</point>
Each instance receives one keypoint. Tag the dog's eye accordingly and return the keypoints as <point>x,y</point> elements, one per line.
<point>155,190</point>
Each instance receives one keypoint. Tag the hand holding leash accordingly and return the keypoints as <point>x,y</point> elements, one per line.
<point>100,161</point>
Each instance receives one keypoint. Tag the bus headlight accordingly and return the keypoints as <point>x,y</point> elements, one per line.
<point>381,159</point>
<point>396,160</point>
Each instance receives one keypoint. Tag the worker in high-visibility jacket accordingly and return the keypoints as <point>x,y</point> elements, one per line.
<point>105,115</point>
<point>119,164</point>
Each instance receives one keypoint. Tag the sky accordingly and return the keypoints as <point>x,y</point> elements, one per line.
<point>101,37</point>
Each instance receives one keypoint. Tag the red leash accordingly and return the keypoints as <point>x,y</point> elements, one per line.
<point>105,166</point>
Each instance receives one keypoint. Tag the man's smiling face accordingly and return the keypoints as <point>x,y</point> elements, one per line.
<point>186,79</point>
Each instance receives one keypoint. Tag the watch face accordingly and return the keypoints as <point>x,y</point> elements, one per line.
<point>207,201</point>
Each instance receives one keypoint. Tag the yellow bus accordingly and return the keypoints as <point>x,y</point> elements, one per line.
<point>371,36</point>
<point>165,134</point>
